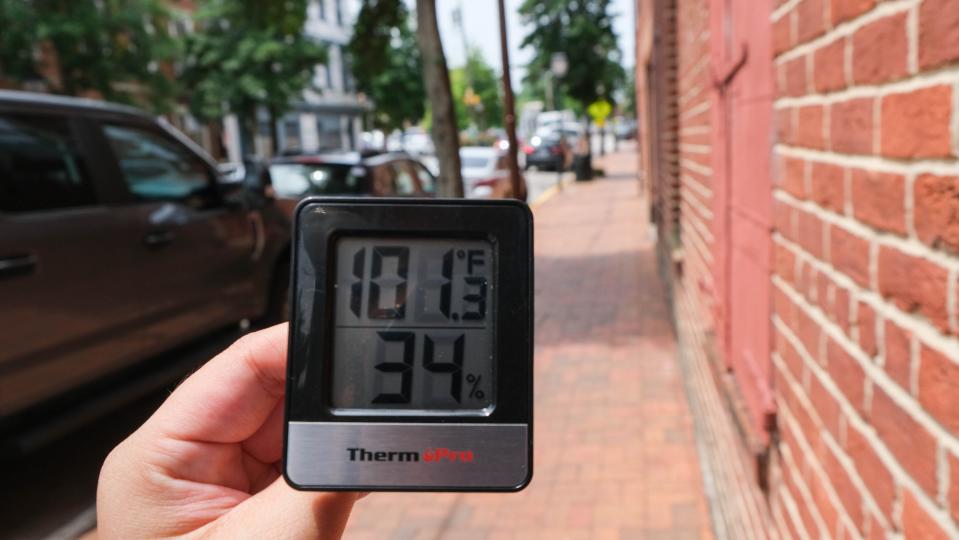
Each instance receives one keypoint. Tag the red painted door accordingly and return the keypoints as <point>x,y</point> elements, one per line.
<point>741,36</point>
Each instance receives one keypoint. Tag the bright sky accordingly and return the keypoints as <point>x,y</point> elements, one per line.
<point>481,21</point>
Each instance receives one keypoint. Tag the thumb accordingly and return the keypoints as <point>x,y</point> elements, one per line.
<point>279,511</point>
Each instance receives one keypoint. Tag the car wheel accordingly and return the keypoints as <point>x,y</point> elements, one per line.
<point>279,307</point>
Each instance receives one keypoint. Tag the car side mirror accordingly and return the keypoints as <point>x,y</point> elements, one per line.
<point>233,193</point>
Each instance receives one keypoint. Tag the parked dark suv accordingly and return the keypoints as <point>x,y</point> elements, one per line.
<point>117,242</point>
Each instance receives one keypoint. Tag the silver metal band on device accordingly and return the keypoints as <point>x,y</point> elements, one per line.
<point>404,455</point>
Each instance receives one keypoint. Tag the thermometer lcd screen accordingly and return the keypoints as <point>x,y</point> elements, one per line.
<point>413,326</point>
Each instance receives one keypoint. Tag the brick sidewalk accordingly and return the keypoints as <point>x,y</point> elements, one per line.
<point>615,453</point>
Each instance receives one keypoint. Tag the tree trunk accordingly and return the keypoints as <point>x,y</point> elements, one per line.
<point>509,111</point>
<point>437,80</point>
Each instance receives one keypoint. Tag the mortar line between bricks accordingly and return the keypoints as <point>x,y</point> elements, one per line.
<point>944,76</point>
<point>912,40</point>
<point>697,243</point>
<point>790,467</point>
<point>942,167</point>
<point>818,468</point>
<point>695,167</point>
<point>802,397</point>
<point>700,205</point>
<point>783,10</point>
<point>849,467</point>
<point>878,375</point>
<point>921,327</point>
<point>847,28</point>
<point>867,431</point>
<point>696,185</point>
<point>852,225</point>
<point>792,509</point>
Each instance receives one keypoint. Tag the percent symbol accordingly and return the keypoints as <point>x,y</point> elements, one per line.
<point>474,380</point>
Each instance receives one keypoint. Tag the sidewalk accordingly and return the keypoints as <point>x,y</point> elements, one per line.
<point>615,451</point>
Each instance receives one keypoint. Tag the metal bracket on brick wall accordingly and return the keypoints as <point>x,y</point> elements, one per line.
<point>721,83</point>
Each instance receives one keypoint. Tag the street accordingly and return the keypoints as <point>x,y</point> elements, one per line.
<point>56,482</point>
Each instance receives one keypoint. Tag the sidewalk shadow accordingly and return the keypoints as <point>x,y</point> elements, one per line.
<point>608,298</point>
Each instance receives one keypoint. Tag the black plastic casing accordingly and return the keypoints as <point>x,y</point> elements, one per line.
<point>320,221</point>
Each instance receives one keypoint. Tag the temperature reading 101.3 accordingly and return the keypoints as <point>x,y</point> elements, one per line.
<point>412,325</point>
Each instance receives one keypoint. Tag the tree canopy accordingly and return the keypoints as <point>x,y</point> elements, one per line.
<point>583,31</point>
<point>119,49</point>
<point>248,53</point>
<point>386,63</point>
<point>479,78</point>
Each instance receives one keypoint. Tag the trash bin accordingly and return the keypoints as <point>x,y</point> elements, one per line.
<point>583,167</point>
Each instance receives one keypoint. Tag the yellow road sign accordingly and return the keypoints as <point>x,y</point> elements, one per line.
<point>599,110</point>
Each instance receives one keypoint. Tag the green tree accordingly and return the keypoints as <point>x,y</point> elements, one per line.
<point>480,77</point>
<point>386,64</point>
<point>584,32</point>
<point>119,49</point>
<point>247,54</point>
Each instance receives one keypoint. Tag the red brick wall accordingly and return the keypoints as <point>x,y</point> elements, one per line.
<point>866,257</point>
<point>694,89</point>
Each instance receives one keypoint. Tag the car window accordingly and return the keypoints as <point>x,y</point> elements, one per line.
<point>41,167</point>
<point>406,183</point>
<point>157,168</point>
<point>427,182</point>
<point>298,179</point>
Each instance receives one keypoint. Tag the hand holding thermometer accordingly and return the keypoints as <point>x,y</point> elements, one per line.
<point>410,359</point>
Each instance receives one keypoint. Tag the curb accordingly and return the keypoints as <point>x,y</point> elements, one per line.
<point>549,193</point>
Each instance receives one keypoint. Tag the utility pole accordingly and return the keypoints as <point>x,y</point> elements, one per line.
<point>468,94</point>
<point>509,109</point>
<point>458,21</point>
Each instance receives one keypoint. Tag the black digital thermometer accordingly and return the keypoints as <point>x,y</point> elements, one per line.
<point>410,358</point>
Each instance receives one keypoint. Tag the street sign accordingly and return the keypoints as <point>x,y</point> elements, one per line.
<point>410,359</point>
<point>599,111</point>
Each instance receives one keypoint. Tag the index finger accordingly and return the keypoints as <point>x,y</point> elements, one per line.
<point>230,397</point>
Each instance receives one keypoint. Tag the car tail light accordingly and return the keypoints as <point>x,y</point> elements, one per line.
<point>528,149</point>
<point>487,182</point>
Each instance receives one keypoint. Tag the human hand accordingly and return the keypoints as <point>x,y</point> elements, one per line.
<point>207,463</point>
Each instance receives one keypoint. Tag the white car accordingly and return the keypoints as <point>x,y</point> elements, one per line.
<point>418,142</point>
<point>483,168</point>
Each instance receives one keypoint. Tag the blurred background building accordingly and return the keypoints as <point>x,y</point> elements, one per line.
<point>327,118</point>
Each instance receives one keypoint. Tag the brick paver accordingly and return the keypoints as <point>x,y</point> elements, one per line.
<point>615,450</point>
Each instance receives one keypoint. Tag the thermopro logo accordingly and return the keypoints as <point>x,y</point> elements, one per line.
<point>430,455</point>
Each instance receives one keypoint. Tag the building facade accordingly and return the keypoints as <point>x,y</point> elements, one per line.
<point>328,118</point>
<point>802,161</point>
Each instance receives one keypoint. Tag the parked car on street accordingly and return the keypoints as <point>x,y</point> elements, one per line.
<point>118,241</point>
<point>394,174</point>
<point>485,173</point>
<point>547,150</point>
